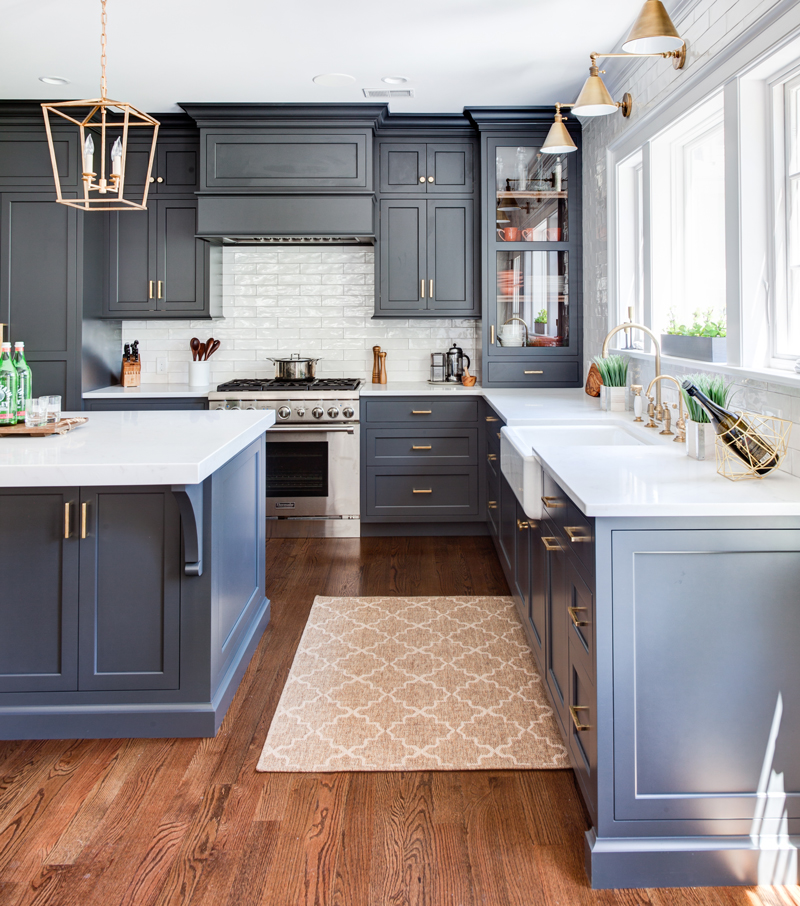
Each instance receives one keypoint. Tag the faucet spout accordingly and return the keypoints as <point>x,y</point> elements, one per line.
<point>629,325</point>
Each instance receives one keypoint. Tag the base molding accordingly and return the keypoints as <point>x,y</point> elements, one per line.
<point>619,862</point>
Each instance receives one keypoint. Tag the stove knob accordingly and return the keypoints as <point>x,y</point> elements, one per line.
<point>300,412</point>
<point>348,412</point>
<point>284,412</point>
<point>333,412</point>
<point>317,412</point>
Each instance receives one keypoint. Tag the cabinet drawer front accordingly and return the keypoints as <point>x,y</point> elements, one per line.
<point>493,501</point>
<point>582,743</point>
<point>580,612</point>
<point>264,159</point>
<point>437,493</point>
<point>576,529</point>
<point>434,446</point>
<point>533,373</point>
<point>422,411</point>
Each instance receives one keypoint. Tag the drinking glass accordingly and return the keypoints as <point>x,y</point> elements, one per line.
<point>36,412</point>
<point>53,404</point>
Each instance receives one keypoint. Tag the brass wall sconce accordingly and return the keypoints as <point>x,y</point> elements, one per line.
<point>558,140</point>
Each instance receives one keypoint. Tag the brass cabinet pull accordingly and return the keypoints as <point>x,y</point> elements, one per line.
<point>430,179</point>
<point>152,179</point>
<point>84,513</point>
<point>573,612</point>
<point>492,504</point>
<point>67,520</point>
<point>160,289</point>
<point>422,179</point>
<point>152,284</point>
<point>573,713</point>
<point>522,525</point>
<point>572,534</point>
<point>491,418</point>
<point>160,179</point>
<point>420,411</point>
<point>551,544</point>
<point>534,372</point>
<point>491,457</point>
<point>498,435</point>
<point>415,447</point>
<point>422,288</point>
<point>552,503</point>
<point>430,289</point>
<point>422,491</point>
<point>491,331</point>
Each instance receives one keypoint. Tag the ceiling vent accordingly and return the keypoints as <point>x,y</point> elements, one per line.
<point>388,92</point>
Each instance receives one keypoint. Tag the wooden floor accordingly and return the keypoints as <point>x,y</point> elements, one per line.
<point>140,822</point>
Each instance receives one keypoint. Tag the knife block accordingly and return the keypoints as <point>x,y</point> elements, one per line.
<point>131,373</point>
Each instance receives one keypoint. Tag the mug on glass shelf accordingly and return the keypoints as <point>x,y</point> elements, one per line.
<point>509,234</point>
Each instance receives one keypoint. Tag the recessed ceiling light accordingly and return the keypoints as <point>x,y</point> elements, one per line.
<point>53,80</point>
<point>394,79</point>
<point>334,79</point>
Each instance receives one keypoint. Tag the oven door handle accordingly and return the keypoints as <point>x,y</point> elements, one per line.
<point>310,429</point>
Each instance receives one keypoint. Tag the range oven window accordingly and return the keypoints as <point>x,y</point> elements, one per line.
<point>297,469</point>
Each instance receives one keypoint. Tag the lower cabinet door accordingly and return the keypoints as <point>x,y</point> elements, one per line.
<point>582,724</point>
<point>508,524</point>
<point>538,598</point>
<point>129,589</point>
<point>557,646</point>
<point>39,599</point>
<point>522,573</point>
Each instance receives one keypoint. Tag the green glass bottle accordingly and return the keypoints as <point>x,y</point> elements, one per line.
<point>8,388</point>
<point>24,380</point>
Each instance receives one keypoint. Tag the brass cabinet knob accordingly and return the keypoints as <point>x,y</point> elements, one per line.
<point>160,179</point>
<point>522,525</point>
<point>430,179</point>
<point>422,179</point>
<point>152,179</point>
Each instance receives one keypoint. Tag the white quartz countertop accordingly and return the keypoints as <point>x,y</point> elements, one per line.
<point>148,391</point>
<point>419,388</point>
<point>131,448</point>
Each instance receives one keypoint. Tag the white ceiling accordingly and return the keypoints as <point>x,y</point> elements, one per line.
<point>456,53</point>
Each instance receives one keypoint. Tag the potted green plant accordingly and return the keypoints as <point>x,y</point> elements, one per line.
<point>614,372</point>
<point>705,340</point>
<point>699,430</point>
<point>540,322</point>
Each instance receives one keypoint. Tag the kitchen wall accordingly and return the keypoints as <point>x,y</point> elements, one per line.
<point>708,26</point>
<point>315,301</point>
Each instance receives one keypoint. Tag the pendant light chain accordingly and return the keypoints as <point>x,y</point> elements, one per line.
<point>103,20</point>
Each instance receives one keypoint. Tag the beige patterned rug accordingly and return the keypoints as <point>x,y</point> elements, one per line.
<point>413,684</point>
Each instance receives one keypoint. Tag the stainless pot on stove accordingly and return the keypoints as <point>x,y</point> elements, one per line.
<point>295,368</point>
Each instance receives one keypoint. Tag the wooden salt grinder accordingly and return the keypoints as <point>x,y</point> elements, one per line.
<point>382,378</point>
<point>376,365</point>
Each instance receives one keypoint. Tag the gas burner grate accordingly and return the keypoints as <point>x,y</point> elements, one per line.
<point>257,386</point>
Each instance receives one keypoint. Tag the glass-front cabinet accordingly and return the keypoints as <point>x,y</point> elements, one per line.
<point>532,279</point>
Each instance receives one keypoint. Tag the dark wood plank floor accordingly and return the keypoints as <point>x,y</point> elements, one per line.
<point>141,822</point>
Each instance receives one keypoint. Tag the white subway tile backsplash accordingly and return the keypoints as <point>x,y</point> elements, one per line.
<point>309,301</point>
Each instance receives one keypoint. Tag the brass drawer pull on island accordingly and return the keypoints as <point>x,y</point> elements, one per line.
<point>492,504</point>
<point>573,713</point>
<point>421,411</point>
<point>573,613</point>
<point>415,447</point>
<point>67,520</point>
<point>84,513</point>
<point>573,534</point>
<point>551,544</point>
<point>552,503</point>
<point>422,491</point>
<point>534,372</point>
<point>491,418</point>
<point>491,457</point>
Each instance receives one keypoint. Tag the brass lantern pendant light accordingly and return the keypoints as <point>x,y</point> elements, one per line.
<point>105,124</point>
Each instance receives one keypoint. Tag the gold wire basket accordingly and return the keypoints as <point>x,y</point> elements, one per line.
<point>766,440</point>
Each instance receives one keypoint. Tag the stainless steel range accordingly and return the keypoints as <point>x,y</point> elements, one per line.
<point>313,479</point>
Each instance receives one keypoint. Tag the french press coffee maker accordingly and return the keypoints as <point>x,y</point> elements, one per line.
<point>455,364</point>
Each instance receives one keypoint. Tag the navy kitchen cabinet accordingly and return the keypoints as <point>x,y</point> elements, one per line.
<point>123,404</point>
<point>176,165</point>
<point>413,168</point>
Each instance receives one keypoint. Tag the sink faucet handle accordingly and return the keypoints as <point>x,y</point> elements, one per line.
<point>667,421</point>
<point>651,411</point>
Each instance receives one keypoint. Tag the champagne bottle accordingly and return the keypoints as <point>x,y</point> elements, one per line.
<point>24,380</point>
<point>8,388</point>
<point>736,432</point>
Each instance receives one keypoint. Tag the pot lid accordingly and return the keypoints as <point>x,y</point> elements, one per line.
<point>294,357</point>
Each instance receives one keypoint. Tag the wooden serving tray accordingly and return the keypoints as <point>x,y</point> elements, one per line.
<point>64,426</point>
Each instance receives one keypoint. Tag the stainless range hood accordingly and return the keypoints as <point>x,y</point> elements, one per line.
<point>290,219</point>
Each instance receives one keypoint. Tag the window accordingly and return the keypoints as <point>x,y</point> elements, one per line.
<point>630,243</point>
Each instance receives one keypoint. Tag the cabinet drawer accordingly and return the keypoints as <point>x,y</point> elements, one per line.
<point>576,529</point>
<point>421,410</point>
<point>434,491</point>
<point>582,743</point>
<point>533,373</point>
<point>433,446</point>
<point>580,611</point>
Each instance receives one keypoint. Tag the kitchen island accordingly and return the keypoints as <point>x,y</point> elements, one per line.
<point>132,564</point>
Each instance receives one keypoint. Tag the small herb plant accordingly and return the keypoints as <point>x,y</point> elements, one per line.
<point>704,325</point>
<point>714,387</point>
<point>613,370</point>
<point>541,318</point>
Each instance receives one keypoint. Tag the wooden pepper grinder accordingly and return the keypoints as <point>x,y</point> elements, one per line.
<point>382,377</point>
<point>376,365</point>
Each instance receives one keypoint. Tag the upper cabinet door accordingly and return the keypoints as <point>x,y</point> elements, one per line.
<point>450,257</point>
<point>403,168</point>
<point>262,159</point>
<point>25,159</point>
<point>177,167</point>
<point>131,261</point>
<point>449,168</point>
<point>403,251</point>
<point>180,257</point>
